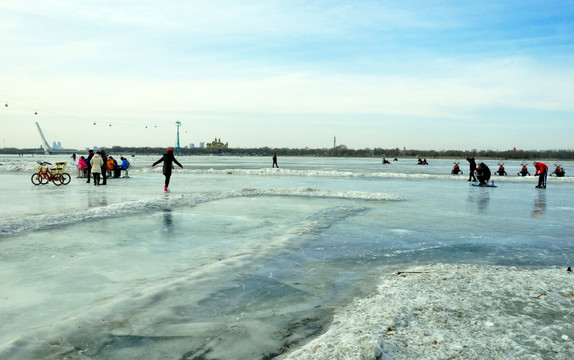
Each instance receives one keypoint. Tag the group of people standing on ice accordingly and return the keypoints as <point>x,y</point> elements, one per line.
<point>98,164</point>
<point>483,173</point>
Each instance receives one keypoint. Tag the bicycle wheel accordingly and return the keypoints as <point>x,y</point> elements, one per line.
<point>36,179</point>
<point>66,178</point>
<point>43,179</point>
<point>57,179</point>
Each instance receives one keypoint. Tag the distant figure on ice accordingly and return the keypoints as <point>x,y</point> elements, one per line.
<point>559,172</point>
<point>523,171</point>
<point>472,164</point>
<point>501,171</point>
<point>168,159</point>
<point>483,174</point>
<point>275,161</point>
<point>422,162</point>
<point>385,161</point>
<point>542,172</point>
<point>456,169</point>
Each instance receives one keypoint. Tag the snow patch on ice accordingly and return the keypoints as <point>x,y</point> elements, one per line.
<point>455,311</point>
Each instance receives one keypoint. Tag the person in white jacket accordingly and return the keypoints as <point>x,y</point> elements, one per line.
<point>96,164</point>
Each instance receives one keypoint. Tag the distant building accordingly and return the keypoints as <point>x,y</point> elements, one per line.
<point>192,146</point>
<point>217,145</point>
<point>202,145</point>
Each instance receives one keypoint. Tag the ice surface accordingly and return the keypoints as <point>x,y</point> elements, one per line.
<point>248,262</point>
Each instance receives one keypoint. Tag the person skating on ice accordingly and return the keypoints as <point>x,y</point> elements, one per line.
<point>168,159</point>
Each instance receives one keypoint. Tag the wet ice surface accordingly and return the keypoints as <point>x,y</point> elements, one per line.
<point>248,262</point>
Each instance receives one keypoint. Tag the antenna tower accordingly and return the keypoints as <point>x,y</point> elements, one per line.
<point>178,124</point>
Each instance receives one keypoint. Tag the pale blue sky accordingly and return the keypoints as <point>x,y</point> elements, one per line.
<point>420,74</point>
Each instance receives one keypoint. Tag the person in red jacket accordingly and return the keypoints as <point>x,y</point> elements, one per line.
<point>542,172</point>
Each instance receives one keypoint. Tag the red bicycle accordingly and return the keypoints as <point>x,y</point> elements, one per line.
<point>45,175</point>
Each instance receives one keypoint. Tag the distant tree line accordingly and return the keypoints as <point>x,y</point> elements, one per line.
<point>338,151</point>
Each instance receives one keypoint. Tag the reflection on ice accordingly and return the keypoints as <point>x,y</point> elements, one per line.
<point>168,221</point>
<point>479,198</point>
<point>483,200</point>
<point>539,204</point>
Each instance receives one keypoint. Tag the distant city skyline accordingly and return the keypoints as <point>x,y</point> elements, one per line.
<point>375,74</point>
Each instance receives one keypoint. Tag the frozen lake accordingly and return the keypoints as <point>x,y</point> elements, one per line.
<point>242,261</point>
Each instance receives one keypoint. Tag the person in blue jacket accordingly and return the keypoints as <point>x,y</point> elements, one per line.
<point>125,163</point>
<point>168,159</point>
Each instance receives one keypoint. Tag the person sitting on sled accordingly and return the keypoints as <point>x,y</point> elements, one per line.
<point>559,172</point>
<point>523,171</point>
<point>456,169</point>
<point>501,171</point>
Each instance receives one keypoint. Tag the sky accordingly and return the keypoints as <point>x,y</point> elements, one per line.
<point>288,74</point>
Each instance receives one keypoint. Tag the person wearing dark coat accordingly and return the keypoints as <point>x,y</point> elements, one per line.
<point>483,174</point>
<point>89,167</point>
<point>168,159</point>
<point>472,164</point>
<point>104,167</point>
